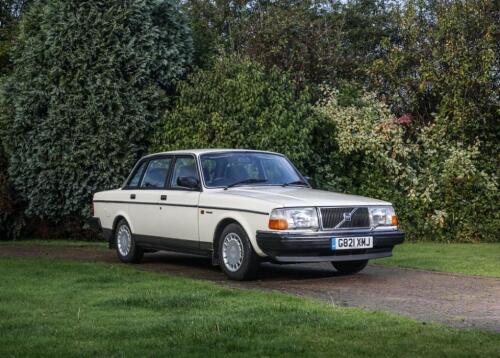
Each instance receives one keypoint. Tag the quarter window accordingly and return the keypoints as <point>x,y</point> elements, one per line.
<point>156,173</point>
<point>134,182</point>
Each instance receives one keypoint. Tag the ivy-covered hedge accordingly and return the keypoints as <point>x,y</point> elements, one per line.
<point>87,87</point>
<point>239,104</point>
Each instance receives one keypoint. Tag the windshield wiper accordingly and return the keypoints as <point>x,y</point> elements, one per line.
<point>246,181</point>
<point>296,182</point>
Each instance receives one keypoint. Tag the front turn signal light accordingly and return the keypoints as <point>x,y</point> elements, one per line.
<point>278,224</point>
<point>394,220</point>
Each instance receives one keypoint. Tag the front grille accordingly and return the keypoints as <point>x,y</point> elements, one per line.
<point>334,218</point>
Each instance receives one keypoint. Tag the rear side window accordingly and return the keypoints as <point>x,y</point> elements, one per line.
<point>156,173</point>
<point>134,182</point>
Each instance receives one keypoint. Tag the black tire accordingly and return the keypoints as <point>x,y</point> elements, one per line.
<point>250,262</point>
<point>135,252</point>
<point>349,267</point>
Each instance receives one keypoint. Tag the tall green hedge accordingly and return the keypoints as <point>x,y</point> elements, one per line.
<point>239,104</point>
<point>86,90</point>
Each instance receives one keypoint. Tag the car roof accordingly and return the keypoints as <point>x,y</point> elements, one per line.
<point>198,152</point>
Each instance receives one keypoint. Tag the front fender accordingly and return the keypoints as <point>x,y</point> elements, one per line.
<point>250,222</point>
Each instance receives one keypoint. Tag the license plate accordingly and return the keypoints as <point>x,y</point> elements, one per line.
<point>349,243</point>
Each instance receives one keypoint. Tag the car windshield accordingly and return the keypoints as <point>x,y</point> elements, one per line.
<point>248,168</point>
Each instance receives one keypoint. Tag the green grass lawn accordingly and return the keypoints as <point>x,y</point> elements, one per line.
<point>469,259</point>
<point>59,308</point>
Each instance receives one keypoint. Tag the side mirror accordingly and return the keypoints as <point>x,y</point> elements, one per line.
<point>188,182</point>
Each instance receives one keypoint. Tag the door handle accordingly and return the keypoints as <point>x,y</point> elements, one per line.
<point>163,197</point>
<point>132,196</point>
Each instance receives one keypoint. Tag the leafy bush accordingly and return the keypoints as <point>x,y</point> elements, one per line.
<point>445,63</point>
<point>11,216</point>
<point>435,182</point>
<point>239,104</point>
<point>84,94</point>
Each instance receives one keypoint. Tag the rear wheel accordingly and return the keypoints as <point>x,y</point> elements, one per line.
<point>350,267</point>
<point>237,258</point>
<point>126,247</point>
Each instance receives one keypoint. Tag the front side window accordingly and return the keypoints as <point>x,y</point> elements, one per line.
<point>156,174</point>
<point>252,168</point>
<point>183,168</point>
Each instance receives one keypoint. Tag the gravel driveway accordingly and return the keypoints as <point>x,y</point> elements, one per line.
<point>456,300</point>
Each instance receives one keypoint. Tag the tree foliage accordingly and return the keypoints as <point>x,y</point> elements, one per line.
<point>315,40</point>
<point>413,117</point>
<point>86,89</point>
<point>428,139</point>
<point>10,11</point>
<point>239,104</point>
<point>445,64</point>
<point>437,183</point>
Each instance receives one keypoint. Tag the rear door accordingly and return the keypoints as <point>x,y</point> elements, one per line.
<point>179,217</point>
<point>144,203</point>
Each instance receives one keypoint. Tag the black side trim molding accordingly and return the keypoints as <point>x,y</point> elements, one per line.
<point>234,209</point>
<point>170,244</point>
<point>143,203</point>
<point>182,205</point>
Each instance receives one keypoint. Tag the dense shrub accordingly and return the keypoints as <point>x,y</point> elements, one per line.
<point>239,104</point>
<point>84,94</point>
<point>11,214</point>
<point>434,180</point>
<point>443,72</point>
<point>446,63</point>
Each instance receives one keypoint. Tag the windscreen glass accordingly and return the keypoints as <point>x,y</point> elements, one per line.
<point>248,168</point>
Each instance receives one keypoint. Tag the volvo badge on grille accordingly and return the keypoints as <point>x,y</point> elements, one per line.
<point>347,216</point>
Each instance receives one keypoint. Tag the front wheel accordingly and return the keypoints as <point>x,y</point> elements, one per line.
<point>349,267</point>
<point>126,247</point>
<point>237,258</point>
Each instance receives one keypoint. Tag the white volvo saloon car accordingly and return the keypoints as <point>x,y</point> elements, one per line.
<point>241,207</point>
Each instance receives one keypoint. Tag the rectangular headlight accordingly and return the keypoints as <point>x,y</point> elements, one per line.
<point>294,218</point>
<point>383,216</point>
